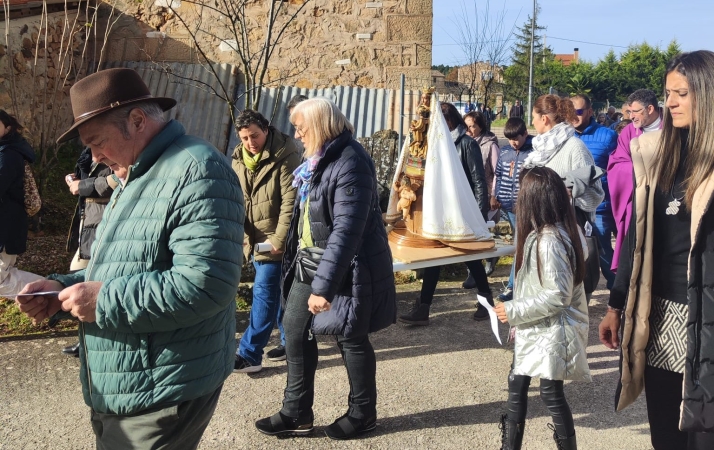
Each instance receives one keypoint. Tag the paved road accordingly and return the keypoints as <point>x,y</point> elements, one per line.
<point>440,387</point>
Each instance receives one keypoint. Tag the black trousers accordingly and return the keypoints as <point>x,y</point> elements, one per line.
<point>663,391</point>
<point>551,392</point>
<point>431,278</point>
<point>176,427</point>
<point>301,352</point>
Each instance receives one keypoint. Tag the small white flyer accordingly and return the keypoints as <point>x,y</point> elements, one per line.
<point>492,316</point>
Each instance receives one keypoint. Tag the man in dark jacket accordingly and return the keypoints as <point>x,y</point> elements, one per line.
<point>14,152</point>
<point>156,304</point>
<point>516,111</point>
<point>472,162</point>
<point>264,161</point>
<point>601,141</point>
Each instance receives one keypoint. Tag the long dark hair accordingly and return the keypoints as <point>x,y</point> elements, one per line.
<point>543,201</point>
<point>452,116</point>
<point>10,122</point>
<point>698,68</point>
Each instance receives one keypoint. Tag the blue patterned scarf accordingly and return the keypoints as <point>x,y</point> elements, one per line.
<point>303,173</point>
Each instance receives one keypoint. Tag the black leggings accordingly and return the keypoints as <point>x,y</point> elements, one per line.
<point>551,392</point>
<point>431,278</point>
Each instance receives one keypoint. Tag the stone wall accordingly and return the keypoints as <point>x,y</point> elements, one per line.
<point>42,74</point>
<point>383,148</point>
<point>324,32</point>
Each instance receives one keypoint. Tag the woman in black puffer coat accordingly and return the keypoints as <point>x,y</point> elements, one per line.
<point>14,151</point>
<point>352,292</point>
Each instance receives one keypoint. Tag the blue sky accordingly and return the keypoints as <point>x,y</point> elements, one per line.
<point>616,24</point>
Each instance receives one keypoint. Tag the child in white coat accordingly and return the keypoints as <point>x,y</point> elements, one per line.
<point>549,308</point>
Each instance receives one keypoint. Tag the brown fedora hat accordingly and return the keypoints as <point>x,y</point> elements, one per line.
<point>104,91</point>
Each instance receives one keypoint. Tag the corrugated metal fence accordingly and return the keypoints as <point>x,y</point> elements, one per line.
<point>204,114</point>
<point>199,110</point>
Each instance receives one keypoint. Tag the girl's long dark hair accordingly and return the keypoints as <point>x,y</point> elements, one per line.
<point>543,200</point>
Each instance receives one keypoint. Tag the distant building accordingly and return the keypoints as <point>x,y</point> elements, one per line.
<point>567,58</point>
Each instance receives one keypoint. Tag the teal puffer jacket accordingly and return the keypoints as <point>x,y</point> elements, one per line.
<point>169,254</point>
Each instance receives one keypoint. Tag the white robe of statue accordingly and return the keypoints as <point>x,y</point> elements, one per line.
<point>450,211</point>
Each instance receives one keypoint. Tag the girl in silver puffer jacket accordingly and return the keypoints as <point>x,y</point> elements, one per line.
<point>549,309</point>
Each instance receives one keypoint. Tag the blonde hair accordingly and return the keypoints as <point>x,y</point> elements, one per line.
<point>322,121</point>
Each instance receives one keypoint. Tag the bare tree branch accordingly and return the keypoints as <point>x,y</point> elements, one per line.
<point>484,40</point>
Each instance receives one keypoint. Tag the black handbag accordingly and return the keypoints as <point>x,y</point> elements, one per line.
<point>592,263</point>
<point>306,263</point>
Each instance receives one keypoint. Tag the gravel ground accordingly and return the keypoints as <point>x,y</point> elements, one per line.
<point>440,387</point>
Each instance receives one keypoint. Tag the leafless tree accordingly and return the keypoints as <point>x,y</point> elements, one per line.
<point>40,74</point>
<point>253,42</point>
<point>484,38</point>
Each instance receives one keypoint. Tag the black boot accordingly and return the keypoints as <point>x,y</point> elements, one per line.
<point>469,283</point>
<point>563,443</point>
<point>71,350</point>
<point>481,312</point>
<point>511,433</point>
<point>419,315</point>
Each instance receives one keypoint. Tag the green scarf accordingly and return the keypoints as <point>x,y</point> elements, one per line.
<point>250,160</point>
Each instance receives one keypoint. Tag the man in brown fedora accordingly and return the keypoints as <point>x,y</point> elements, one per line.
<point>156,304</point>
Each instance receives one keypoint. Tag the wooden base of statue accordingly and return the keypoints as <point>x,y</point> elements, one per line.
<point>405,238</point>
<point>472,246</point>
<point>411,235</point>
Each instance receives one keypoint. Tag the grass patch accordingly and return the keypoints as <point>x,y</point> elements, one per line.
<point>15,323</point>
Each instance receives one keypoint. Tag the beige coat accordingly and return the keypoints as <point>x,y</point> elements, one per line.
<point>636,315</point>
<point>268,194</point>
<point>635,330</point>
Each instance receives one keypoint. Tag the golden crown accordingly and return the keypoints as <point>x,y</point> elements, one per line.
<point>428,90</point>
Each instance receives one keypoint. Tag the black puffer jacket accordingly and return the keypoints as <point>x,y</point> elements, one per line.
<point>345,221</point>
<point>93,185</point>
<point>472,162</point>
<point>14,151</point>
<point>697,412</point>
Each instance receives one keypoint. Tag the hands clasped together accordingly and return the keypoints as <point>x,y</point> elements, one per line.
<point>80,300</point>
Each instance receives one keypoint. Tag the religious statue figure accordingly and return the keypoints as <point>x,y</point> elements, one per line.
<point>405,189</point>
<point>419,127</point>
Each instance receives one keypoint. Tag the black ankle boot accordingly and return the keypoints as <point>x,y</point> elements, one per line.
<point>563,443</point>
<point>511,433</point>
<point>469,283</point>
<point>419,315</point>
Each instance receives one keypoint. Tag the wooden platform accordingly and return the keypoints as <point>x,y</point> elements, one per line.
<point>410,255</point>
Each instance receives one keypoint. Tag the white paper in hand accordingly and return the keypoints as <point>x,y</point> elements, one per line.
<point>492,316</point>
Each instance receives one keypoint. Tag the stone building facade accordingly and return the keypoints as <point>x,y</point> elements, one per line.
<point>330,42</point>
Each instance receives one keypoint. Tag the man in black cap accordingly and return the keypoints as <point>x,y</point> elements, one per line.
<point>156,303</point>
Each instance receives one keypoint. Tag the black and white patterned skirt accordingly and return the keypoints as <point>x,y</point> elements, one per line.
<point>667,345</point>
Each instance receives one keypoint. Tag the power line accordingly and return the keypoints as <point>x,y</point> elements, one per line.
<point>515,38</point>
<point>586,42</point>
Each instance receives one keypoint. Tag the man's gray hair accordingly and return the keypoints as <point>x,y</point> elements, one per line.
<point>645,97</point>
<point>119,117</point>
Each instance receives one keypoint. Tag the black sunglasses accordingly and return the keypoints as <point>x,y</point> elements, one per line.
<point>580,112</point>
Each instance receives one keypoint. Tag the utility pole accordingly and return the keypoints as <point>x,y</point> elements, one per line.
<point>530,76</point>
